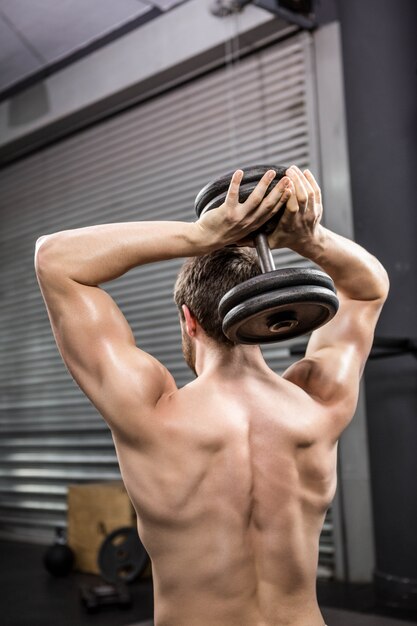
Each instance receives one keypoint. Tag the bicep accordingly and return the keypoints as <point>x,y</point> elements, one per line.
<point>98,347</point>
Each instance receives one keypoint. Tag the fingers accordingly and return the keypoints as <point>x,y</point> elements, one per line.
<point>292,202</point>
<point>272,203</point>
<point>303,189</point>
<point>232,196</point>
<point>257,195</point>
<point>314,185</point>
<point>289,216</point>
<point>298,190</point>
<point>276,194</point>
<point>276,197</point>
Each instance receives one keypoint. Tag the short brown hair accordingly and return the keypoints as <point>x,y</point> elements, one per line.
<point>203,281</point>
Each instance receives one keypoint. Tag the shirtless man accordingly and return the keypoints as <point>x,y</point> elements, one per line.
<point>230,476</point>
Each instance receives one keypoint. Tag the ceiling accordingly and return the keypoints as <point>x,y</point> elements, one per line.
<point>38,37</point>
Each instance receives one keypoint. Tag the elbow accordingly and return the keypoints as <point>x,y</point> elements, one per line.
<point>40,252</point>
<point>380,285</point>
<point>384,283</point>
<point>44,258</point>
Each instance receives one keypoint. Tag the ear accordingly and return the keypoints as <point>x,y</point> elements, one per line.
<point>190,321</point>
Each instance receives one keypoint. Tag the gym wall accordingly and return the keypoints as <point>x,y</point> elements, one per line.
<point>146,163</point>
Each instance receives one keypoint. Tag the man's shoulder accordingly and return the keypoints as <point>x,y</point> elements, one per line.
<point>303,374</point>
<point>326,382</point>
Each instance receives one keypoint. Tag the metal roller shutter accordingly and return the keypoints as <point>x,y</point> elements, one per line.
<point>146,163</point>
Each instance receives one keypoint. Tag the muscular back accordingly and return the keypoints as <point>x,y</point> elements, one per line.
<point>231,493</point>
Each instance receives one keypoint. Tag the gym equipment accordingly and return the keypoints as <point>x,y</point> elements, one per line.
<point>59,558</point>
<point>278,304</point>
<point>122,557</point>
<point>382,347</point>
<point>94,598</point>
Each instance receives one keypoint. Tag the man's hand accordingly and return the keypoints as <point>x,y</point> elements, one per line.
<point>299,226</point>
<point>233,221</point>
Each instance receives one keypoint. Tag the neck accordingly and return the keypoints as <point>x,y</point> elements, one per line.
<point>212,359</point>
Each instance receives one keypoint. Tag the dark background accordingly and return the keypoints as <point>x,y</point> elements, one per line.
<point>379,39</point>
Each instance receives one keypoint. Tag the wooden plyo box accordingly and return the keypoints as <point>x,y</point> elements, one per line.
<point>95,510</point>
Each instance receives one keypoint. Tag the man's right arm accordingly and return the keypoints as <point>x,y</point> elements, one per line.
<point>337,352</point>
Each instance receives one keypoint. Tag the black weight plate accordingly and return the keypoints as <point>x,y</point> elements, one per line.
<point>280,315</point>
<point>122,557</point>
<point>274,281</point>
<point>214,193</point>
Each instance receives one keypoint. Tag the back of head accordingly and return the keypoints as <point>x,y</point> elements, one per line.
<point>203,281</point>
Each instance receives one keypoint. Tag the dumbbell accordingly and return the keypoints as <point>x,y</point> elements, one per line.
<point>279,304</point>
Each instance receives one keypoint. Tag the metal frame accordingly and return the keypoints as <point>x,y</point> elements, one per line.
<point>223,9</point>
<point>303,21</point>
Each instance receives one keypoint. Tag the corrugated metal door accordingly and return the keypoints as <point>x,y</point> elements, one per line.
<point>146,163</point>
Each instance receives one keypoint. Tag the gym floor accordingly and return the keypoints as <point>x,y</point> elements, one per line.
<point>31,597</point>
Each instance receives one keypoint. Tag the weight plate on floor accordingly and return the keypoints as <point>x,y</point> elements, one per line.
<point>122,557</point>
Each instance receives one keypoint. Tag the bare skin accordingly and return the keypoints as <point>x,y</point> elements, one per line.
<point>231,476</point>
